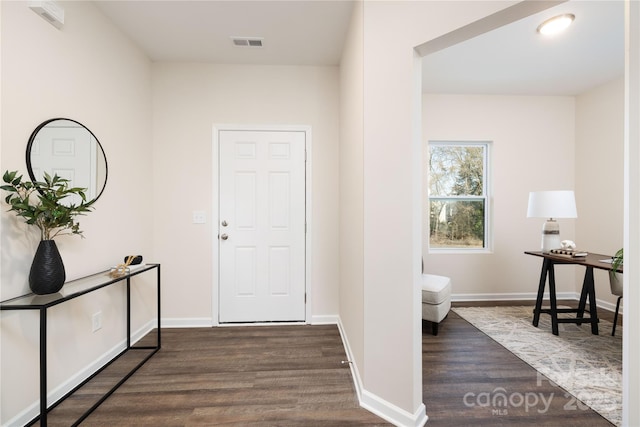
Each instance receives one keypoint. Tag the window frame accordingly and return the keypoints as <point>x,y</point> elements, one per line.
<point>486,197</point>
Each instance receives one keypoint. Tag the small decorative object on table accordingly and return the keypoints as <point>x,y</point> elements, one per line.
<point>136,259</point>
<point>122,269</point>
<point>568,250</point>
<point>568,253</point>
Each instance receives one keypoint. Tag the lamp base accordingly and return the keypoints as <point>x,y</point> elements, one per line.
<point>550,235</point>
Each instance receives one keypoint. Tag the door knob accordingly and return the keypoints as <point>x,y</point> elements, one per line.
<point>224,236</point>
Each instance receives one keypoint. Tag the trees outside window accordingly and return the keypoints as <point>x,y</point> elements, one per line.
<point>457,192</point>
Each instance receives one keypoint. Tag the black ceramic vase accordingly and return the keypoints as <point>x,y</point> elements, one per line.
<point>47,270</point>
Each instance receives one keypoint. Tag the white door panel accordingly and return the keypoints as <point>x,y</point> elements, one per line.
<point>262,203</point>
<point>65,151</point>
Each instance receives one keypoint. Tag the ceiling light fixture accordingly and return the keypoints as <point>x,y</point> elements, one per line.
<point>556,24</point>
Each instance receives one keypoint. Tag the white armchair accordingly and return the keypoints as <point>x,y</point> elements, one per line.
<point>436,299</point>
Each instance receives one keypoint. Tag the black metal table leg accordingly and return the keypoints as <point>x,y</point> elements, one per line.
<point>43,367</point>
<point>159,305</point>
<point>128,313</point>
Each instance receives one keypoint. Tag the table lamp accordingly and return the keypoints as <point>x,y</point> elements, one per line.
<point>551,205</point>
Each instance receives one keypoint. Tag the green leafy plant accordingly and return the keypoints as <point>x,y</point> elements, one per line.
<point>617,261</point>
<point>39,203</point>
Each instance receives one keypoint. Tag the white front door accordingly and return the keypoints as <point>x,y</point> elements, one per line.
<point>261,226</point>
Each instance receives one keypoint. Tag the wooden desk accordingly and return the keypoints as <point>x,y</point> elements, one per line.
<point>590,262</point>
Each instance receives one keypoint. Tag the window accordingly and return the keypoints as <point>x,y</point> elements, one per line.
<point>458,195</point>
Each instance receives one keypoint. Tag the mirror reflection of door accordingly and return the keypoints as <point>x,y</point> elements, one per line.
<point>67,149</point>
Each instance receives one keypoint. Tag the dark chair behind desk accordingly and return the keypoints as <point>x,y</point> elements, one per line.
<point>615,282</point>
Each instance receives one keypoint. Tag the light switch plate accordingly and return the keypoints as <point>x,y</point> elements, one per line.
<point>199,217</point>
<point>96,321</point>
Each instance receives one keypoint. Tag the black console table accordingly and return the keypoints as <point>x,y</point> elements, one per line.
<point>71,290</point>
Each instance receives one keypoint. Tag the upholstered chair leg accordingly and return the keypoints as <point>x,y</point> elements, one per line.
<point>434,328</point>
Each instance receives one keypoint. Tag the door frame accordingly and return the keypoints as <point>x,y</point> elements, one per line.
<point>215,219</point>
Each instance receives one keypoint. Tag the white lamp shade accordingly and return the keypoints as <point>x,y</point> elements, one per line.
<point>552,204</point>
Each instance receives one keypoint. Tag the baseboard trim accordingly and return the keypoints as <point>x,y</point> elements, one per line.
<point>391,413</point>
<point>529,296</point>
<point>372,402</point>
<point>200,322</point>
<point>608,306</point>
<point>329,319</point>
<point>355,374</point>
<point>187,322</point>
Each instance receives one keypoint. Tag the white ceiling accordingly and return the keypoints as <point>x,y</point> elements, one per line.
<point>515,59</point>
<point>510,60</point>
<point>294,32</point>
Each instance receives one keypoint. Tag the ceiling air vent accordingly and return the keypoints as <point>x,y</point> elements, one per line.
<point>247,41</point>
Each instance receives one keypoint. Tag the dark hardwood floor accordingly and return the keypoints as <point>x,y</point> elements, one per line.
<point>231,376</point>
<point>464,371</point>
<point>294,376</point>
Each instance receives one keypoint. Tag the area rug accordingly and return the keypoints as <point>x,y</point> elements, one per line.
<point>585,365</point>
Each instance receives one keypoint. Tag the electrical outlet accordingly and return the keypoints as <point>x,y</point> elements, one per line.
<point>96,321</point>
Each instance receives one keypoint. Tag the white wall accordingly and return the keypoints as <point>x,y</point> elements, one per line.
<point>590,162</point>
<point>530,128</point>
<point>90,72</point>
<point>600,175</point>
<point>351,192</point>
<point>391,198</point>
<point>631,343</point>
<point>532,149</point>
<point>188,100</point>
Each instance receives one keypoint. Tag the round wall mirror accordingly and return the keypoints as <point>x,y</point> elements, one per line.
<point>67,148</point>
